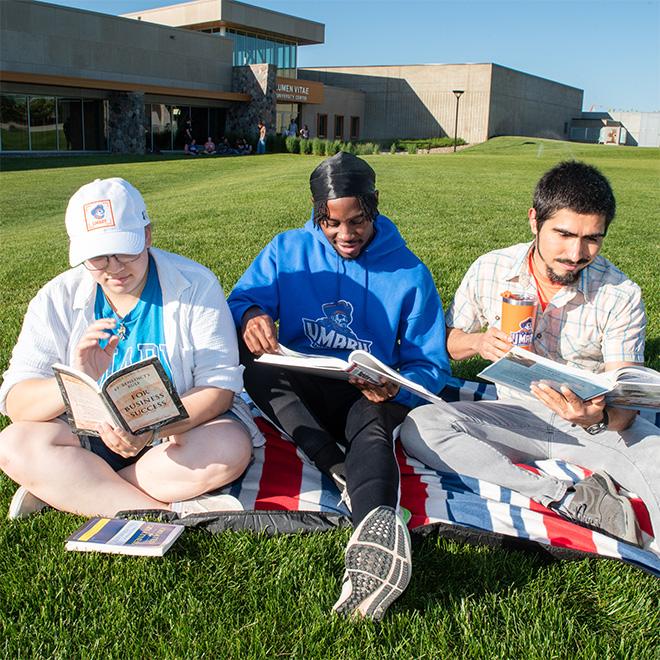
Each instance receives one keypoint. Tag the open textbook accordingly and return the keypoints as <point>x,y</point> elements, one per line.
<point>137,398</point>
<point>629,387</point>
<point>124,537</point>
<point>360,364</point>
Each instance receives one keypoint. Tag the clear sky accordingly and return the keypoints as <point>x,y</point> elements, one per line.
<point>609,49</point>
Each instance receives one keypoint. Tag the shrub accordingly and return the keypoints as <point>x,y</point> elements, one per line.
<point>333,147</point>
<point>292,145</point>
<point>430,143</point>
<point>376,148</point>
<point>393,147</point>
<point>305,146</point>
<point>411,147</point>
<point>275,143</point>
<point>318,147</point>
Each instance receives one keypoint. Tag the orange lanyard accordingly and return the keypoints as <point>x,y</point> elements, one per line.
<point>543,301</point>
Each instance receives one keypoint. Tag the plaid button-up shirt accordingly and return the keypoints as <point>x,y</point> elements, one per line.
<point>599,319</point>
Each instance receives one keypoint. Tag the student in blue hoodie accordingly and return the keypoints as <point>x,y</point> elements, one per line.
<point>346,281</point>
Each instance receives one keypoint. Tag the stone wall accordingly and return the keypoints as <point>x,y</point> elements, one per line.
<point>260,82</point>
<point>126,122</point>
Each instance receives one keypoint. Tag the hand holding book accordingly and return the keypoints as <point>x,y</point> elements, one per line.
<point>375,393</point>
<point>568,405</point>
<point>123,443</point>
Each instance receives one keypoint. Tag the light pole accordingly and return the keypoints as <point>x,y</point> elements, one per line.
<point>457,93</point>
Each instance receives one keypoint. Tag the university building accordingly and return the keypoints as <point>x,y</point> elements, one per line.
<point>79,81</point>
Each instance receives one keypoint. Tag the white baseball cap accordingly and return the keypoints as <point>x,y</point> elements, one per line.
<point>106,216</point>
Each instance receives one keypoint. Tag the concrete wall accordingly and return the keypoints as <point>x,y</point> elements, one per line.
<point>522,104</point>
<point>643,127</point>
<point>203,13</point>
<point>59,41</point>
<point>336,101</point>
<point>416,100</point>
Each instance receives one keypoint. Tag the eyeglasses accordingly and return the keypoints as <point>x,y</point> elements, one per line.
<point>101,263</point>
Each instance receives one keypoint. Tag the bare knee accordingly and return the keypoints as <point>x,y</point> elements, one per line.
<point>234,455</point>
<point>222,450</point>
<point>10,444</point>
<point>24,444</point>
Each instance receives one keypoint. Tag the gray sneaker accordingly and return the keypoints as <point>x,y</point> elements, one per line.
<point>207,504</point>
<point>24,504</point>
<point>378,565</point>
<point>597,505</point>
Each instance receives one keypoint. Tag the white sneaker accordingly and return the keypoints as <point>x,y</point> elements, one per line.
<point>24,504</point>
<point>378,565</point>
<point>207,504</point>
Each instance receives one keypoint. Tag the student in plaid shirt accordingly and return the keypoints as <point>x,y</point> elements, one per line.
<point>589,315</point>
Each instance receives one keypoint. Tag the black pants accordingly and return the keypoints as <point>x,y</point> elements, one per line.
<point>322,413</point>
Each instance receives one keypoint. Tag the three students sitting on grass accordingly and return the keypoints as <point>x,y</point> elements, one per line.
<point>347,271</point>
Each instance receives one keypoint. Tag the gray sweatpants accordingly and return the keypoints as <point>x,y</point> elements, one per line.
<point>484,439</point>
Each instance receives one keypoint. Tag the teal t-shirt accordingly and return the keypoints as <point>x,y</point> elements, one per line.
<point>141,331</point>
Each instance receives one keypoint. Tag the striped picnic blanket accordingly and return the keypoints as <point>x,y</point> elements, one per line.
<point>283,492</point>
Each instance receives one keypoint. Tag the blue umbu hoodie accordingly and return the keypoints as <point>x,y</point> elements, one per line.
<point>384,302</point>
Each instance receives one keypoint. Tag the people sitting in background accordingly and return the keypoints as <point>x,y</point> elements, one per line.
<point>243,147</point>
<point>122,301</point>
<point>192,149</point>
<point>224,148</point>
<point>209,146</point>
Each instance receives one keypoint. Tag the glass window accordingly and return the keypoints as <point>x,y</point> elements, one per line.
<point>14,123</point>
<point>355,128</point>
<point>271,52</point>
<point>43,126</point>
<point>262,44</point>
<point>322,125</point>
<point>180,114</point>
<point>161,127</point>
<point>69,124</point>
<point>339,127</point>
<point>200,123</point>
<point>237,52</point>
<point>250,49</point>
<point>94,125</point>
<point>217,122</point>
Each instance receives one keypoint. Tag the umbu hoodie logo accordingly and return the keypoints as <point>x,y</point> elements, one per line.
<point>333,331</point>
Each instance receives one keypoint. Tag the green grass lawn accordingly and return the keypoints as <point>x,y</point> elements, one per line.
<point>236,594</point>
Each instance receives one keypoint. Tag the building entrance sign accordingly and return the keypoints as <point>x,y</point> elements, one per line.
<point>291,90</point>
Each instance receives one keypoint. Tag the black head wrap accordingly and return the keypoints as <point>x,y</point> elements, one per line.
<point>342,175</point>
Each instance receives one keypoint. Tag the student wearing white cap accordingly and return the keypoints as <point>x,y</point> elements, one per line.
<point>123,301</point>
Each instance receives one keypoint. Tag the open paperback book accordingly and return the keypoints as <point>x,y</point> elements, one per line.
<point>124,537</point>
<point>360,364</point>
<point>629,387</point>
<point>137,398</point>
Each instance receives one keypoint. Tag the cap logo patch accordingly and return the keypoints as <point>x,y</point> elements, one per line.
<point>99,214</point>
